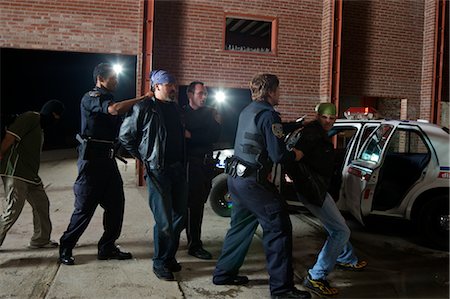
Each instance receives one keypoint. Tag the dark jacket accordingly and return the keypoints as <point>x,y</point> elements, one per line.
<point>205,130</point>
<point>312,174</point>
<point>143,134</point>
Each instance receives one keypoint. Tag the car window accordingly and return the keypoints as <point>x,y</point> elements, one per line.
<point>374,147</point>
<point>365,133</point>
<point>343,136</point>
<point>407,142</point>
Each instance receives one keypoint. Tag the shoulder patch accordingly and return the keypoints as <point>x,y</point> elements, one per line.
<point>94,93</point>
<point>277,130</point>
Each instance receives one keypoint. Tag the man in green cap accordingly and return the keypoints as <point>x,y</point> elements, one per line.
<point>312,176</point>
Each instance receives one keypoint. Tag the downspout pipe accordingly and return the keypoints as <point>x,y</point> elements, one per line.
<point>147,50</point>
<point>336,52</point>
<point>438,62</point>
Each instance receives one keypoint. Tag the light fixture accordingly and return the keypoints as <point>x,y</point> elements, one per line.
<point>117,68</point>
<point>220,96</point>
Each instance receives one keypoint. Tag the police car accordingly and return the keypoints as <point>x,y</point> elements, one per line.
<point>392,168</point>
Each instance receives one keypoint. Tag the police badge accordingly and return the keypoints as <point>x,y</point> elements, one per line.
<point>94,93</point>
<point>277,130</point>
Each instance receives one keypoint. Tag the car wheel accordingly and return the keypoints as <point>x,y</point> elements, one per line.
<point>219,197</point>
<point>433,222</point>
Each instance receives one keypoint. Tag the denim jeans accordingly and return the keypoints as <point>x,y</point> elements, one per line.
<point>337,247</point>
<point>167,191</point>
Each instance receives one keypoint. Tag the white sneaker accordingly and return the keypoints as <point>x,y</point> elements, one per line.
<point>50,244</point>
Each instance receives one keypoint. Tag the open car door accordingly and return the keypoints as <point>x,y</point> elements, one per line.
<point>363,172</point>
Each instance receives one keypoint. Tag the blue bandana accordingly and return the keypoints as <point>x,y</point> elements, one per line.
<point>161,77</point>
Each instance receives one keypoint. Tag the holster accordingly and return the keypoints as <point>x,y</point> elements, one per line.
<point>90,149</point>
<point>235,167</point>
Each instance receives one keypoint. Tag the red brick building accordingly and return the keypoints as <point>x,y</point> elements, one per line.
<point>383,53</point>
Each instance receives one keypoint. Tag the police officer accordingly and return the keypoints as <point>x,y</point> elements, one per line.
<point>99,181</point>
<point>258,145</point>
<point>202,130</point>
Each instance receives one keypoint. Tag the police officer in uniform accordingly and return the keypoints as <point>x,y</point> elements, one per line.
<point>258,145</point>
<point>202,130</point>
<point>99,181</point>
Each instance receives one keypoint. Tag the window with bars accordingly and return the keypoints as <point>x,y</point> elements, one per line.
<point>250,34</point>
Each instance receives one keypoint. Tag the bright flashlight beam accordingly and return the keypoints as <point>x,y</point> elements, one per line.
<point>220,96</point>
<point>118,68</point>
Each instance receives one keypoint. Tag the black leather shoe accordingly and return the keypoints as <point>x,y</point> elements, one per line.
<point>200,253</point>
<point>65,256</point>
<point>115,254</point>
<point>163,274</point>
<point>235,280</point>
<point>173,266</point>
<point>294,294</point>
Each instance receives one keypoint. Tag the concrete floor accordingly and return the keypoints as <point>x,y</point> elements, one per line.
<point>26,273</point>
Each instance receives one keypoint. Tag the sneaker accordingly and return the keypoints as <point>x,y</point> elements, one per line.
<point>319,286</point>
<point>294,294</point>
<point>359,266</point>
<point>49,244</point>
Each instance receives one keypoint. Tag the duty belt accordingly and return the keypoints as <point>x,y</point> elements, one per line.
<point>234,167</point>
<point>91,148</point>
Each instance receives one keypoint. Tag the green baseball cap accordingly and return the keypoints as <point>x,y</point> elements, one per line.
<point>326,108</point>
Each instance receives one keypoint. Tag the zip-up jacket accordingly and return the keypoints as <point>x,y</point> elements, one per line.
<point>143,134</point>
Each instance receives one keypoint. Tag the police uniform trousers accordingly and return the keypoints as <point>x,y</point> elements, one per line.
<point>199,181</point>
<point>254,204</point>
<point>98,183</point>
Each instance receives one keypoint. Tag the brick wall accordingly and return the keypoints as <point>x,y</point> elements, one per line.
<point>383,51</point>
<point>387,46</point>
<point>188,41</point>
<point>113,26</point>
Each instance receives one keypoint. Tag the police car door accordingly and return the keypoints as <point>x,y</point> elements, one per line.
<point>364,171</point>
<point>360,131</point>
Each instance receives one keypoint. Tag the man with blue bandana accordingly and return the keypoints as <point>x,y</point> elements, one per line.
<point>317,163</point>
<point>154,134</point>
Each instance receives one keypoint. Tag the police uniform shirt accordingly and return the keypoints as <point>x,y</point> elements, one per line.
<point>96,122</point>
<point>269,123</point>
